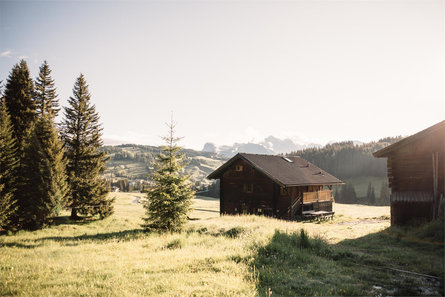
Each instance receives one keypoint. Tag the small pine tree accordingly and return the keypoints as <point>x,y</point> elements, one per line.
<point>352,196</point>
<point>20,104</point>
<point>336,195</point>
<point>8,167</point>
<point>384,194</point>
<point>169,199</point>
<point>45,93</point>
<point>348,194</point>
<point>370,194</point>
<point>45,186</point>
<point>82,137</point>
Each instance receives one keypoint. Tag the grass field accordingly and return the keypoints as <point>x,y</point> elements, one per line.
<point>354,254</point>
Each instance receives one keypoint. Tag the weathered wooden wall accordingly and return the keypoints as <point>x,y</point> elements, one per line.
<point>234,199</point>
<point>411,167</point>
<point>410,212</point>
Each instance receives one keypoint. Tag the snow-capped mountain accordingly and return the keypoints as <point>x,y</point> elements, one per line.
<point>269,146</point>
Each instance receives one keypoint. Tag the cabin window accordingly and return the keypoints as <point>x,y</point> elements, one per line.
<point>288,160</point>
<point>283,191</point>
<point>239,168</point>
<point>248,188</point>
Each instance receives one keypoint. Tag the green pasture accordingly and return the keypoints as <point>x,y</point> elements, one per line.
<point>354,254</point>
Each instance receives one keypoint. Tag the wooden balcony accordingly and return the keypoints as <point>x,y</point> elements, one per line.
<point>310,197</point>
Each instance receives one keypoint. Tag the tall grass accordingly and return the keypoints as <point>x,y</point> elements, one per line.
<point>216,256</point>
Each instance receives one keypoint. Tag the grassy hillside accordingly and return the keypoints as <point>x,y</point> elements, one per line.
<point>136,162</point>
<point>354,254</point>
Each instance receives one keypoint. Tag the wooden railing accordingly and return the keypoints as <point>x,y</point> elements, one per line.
<point>317,196</point>
<point>293,208</point>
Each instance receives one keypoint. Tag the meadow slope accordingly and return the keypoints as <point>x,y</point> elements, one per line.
<point>354,254</point>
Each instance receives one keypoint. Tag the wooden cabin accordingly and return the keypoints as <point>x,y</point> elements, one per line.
<point>416,175</point>
<point>275,186</point>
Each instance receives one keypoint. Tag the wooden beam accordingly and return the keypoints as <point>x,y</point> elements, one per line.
<point>435,157</point>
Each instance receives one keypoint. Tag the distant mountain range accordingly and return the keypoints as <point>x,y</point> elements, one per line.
<point>269,146</point>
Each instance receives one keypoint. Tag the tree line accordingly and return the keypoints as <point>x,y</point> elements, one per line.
<point>47,166</point>
<point>347,160</point>
<point>347,194</point>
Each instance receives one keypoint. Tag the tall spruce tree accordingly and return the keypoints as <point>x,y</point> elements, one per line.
<point>45,93</point>
<point>45,181</point>
<point>384,195</point>
<point>82,134</point>
<point>169,199</point>
<point>20,104</point>
<point>370,194</point>
<point>8,167</point>
<point>347,193</point>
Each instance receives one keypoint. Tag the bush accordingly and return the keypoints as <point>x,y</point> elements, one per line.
<point>175,244</point>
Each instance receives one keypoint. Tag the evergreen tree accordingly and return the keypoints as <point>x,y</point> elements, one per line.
<point>45,93</point>
<point>45,186</point>
<point>348,194</point>
<point>352,195</point>
<point>8,167</point>
<point>336,195</point>
<point>343,194</point>
<point>169,199</point>
<point>82,137</point>
<point>370,194</point>
<point>384,194</point>
<point>19,91</point>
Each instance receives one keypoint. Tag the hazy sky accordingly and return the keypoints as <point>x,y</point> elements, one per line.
<point>237,71</point>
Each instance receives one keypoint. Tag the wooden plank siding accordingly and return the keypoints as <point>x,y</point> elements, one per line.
<point>416,169</point>
<point>325,195</point>
<point>410,168</point>
<point>233,192</point>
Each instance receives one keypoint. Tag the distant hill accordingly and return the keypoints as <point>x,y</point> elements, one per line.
<point>348,159</point>
<point>353,162</point>
<point>135,162</point>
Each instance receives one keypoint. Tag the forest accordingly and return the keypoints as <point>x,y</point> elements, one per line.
<point>355,165</point>
<point>345,160</point>
<point>46,167</point>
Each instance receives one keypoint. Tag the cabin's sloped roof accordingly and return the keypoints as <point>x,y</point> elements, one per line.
<point>384,152</point>
<point>299,172</point>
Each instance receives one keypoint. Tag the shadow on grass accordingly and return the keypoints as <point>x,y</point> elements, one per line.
<point>66,220</point>
<point>385,263</point>
<point>206,198</point>
<point>125,235</point>
<point>206,210</point>
<point>120,236</point>
<point>19,245</point>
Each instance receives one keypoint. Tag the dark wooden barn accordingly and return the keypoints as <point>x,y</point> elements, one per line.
<point>276,186</point>
<point>416,175</point>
